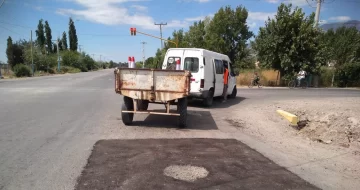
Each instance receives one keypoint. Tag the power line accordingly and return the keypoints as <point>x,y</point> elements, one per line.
<point>16,25</point>
<point>2,3</point>
<point>10,30</point>
<point>309,4</point>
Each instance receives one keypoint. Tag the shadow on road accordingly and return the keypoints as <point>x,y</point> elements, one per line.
<point>217,103</point>
<point>200,120</point>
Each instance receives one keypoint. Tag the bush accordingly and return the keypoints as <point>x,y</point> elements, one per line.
<point>68,69</point>
<point>22,70</point>
<point>326,75</point>
<point>347,75</point>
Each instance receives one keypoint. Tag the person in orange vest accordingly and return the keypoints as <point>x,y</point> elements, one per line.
<point>226,78</point>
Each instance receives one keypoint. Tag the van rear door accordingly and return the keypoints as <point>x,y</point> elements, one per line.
<point>193,62</point>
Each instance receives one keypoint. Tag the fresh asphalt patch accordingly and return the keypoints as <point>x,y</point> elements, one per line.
<point>183,164</point>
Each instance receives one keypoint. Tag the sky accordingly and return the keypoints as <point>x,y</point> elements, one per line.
<point>103,26</point>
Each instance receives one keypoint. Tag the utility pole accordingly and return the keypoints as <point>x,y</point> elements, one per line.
<point>143,51</point>
<point>32,60</point>
<point>57,47</point>
<point>80,48</point>
<point>160,24</point>
<point>317,13</point>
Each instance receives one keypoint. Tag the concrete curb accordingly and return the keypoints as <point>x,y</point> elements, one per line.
<point>289,116</point>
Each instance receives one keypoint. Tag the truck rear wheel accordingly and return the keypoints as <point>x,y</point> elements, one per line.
<point>208,101</point>
<point>182,109</point>
<point>128,105</point>
<point>142,105</point>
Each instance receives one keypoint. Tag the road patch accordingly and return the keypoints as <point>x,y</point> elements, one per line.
<point>196,163</point>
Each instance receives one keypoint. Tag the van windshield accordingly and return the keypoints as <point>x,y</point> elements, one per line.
<point>191,64</point>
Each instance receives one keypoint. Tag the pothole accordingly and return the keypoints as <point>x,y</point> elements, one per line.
<point>186,173</point>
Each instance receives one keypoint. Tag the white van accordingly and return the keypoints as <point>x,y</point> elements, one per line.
<point>207,70</point>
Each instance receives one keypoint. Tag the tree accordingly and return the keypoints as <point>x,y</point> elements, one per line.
<point>112,64</point>
<point>195,37</point>
<point>290,42</point>
<point>150,63</point>
<point>178,37</point>
<point>72,36</point>
<point>343,45</point>
<point>64,41</point>
<point>228,32</point>
<point>54,48</point>
<point>60,44</point>
<point>48,37</point>
<point>40,34</point>
<point>9,52</point>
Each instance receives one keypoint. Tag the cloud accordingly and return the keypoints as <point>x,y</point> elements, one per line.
<point>272,1</point>
<point>252,24</point>
<point>198,18</point>
<point>299,3</point>
<point>340,18</point>
<point>199,1</point>
<point>260,16</point>
<point>111,12</point>
<point>139,7</point>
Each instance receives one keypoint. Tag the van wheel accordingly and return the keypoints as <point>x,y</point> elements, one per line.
<point>142,105</point>
<point>128,105</point>
<point>182,109</point>
<point>208,101</point>
<point>234,92</point>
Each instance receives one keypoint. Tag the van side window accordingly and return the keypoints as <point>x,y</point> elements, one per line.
<point>219,67</point>
<point>171,63</point>
<point>191,64</point>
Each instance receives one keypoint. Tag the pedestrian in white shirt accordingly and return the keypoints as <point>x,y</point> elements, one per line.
<point>301,76</point>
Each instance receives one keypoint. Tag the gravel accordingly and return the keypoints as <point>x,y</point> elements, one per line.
<point>186,173</point>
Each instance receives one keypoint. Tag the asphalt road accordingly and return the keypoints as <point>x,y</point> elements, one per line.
<point>49,125</point>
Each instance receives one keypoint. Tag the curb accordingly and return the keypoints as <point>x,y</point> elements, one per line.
<point>289,116</point>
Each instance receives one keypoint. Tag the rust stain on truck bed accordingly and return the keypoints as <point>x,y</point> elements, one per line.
<point>152,84</point>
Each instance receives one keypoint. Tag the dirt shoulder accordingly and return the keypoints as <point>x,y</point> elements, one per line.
<point>326,152</point>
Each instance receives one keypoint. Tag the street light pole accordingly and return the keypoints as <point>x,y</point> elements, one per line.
<point>57,45</point>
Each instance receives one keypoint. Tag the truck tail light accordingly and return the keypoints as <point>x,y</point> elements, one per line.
<point>192,79</point>
<point>202,81</point>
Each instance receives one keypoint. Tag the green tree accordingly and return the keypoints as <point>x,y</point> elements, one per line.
<point>343,45</point>
<point>48,37</point>
<point>289,42</point>
<point>54,47</point>
<point>228,32</point>
<point>60,44</point>
<point>150,62</point>
<point>72,36</point>
<point>178,36</point>
<point>40,40</point>
<point>195,37</point>
<point>9,52</point>
<point>64,41</point>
